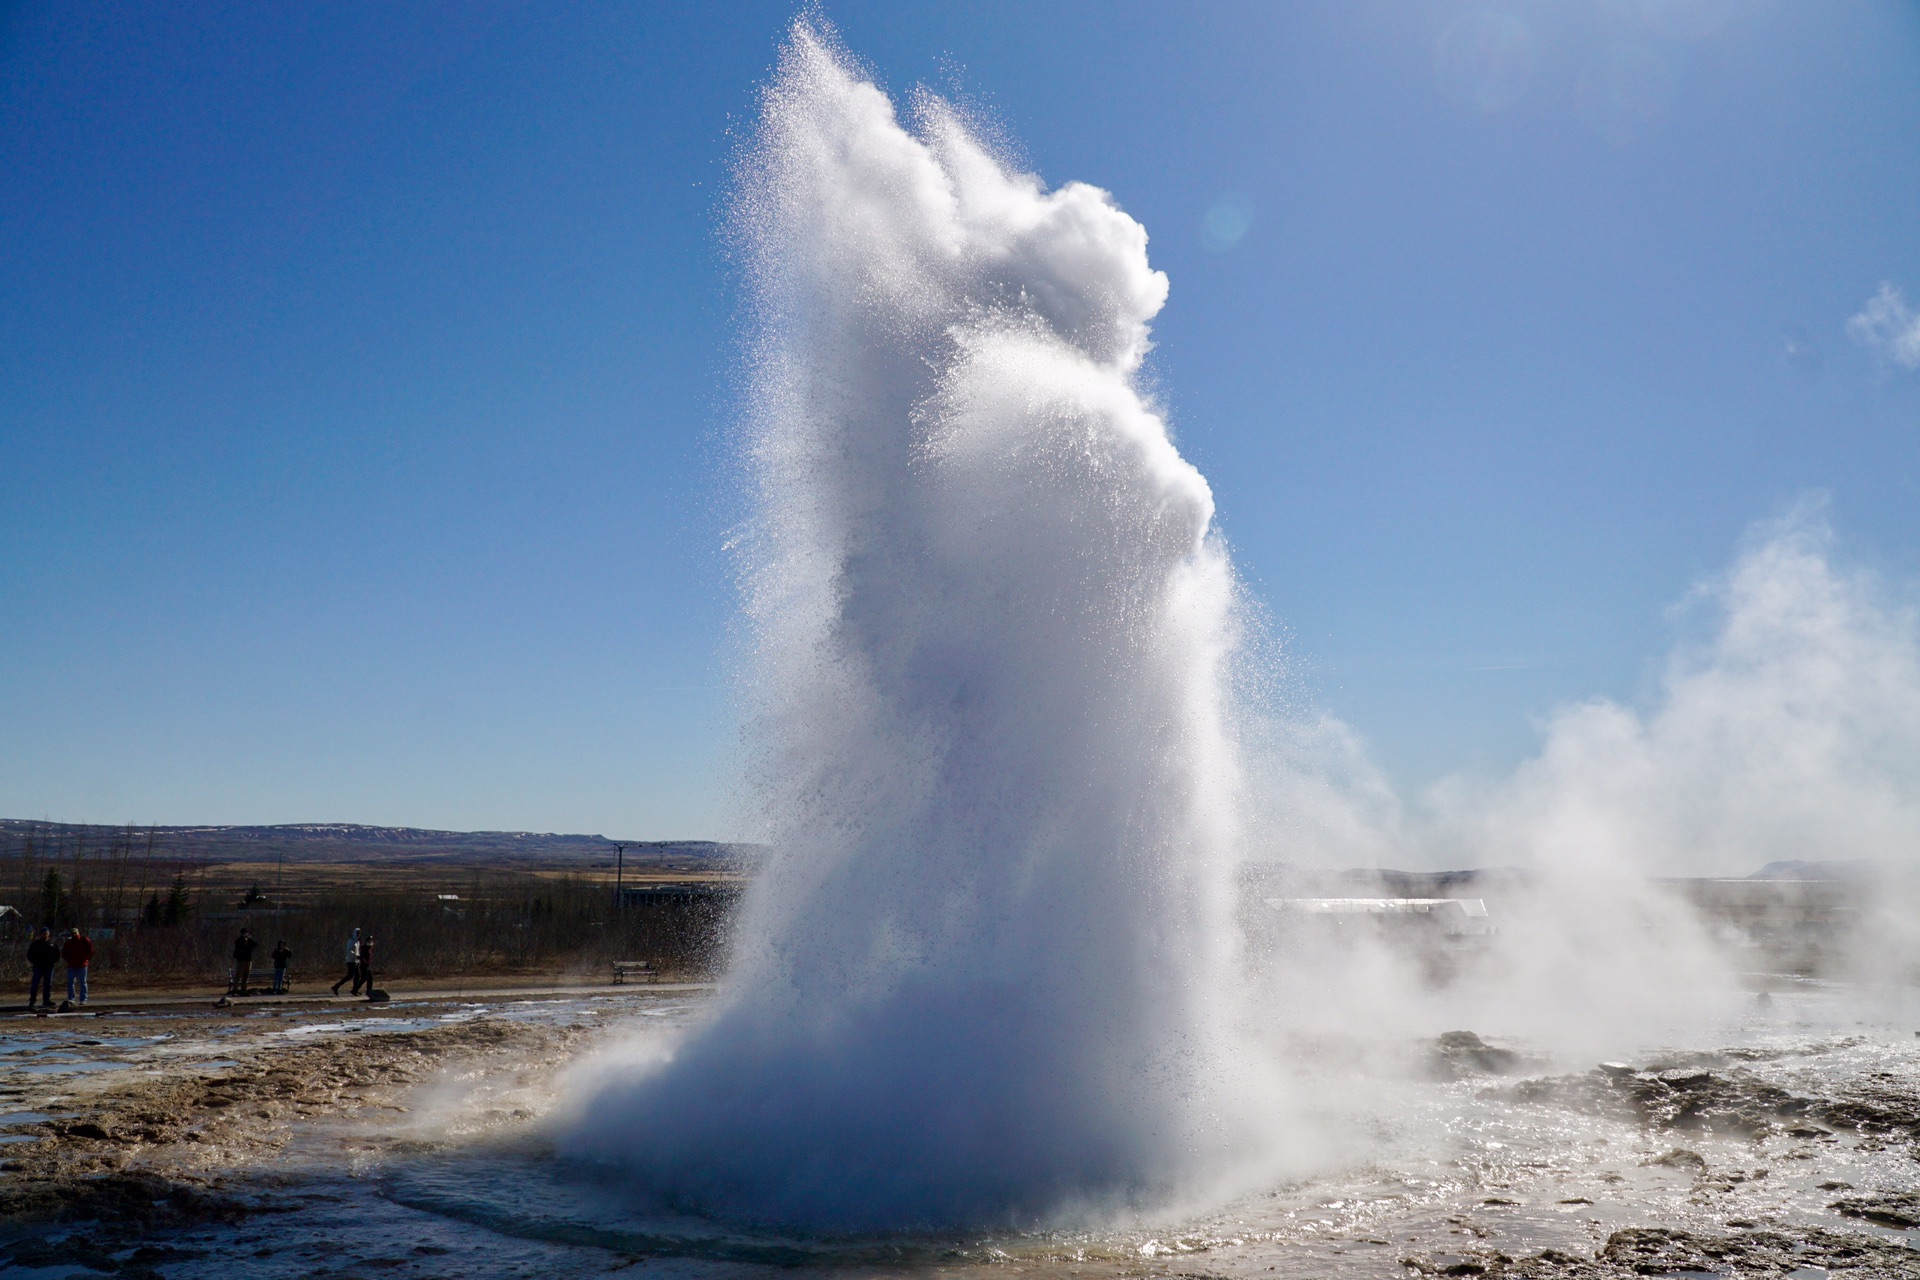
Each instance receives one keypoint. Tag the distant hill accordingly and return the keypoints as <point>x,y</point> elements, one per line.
<point>1854,869</point>
<point>353,842</point>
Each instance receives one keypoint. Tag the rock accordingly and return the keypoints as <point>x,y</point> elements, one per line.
<point>1685,1078</point>
<point>1685,1097</point>
<point>1874,1110</point>
<point>1899,1209</point>
<point>1660,1251</point>
<point>85,1129</point>
<point>1444,1264</point>
<point>75,1250</point>
<point>1681,1158</point>
<point>1458,1053</point>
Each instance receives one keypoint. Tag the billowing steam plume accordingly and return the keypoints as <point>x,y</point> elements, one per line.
<point>990,975</point>
<point>982,979</point>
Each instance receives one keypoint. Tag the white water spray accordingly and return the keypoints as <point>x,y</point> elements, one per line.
<point>984,978</point>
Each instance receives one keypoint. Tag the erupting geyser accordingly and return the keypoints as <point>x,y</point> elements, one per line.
<point>986,978</point>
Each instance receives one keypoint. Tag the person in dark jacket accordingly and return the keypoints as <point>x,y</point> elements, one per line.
<point>366,961</point>
<point>41,953</point>
<point>77,951</point>
<point>243,948</point>
<point>282,957</point>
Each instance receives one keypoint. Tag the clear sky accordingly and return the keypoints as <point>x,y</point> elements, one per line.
<point>365,368</point>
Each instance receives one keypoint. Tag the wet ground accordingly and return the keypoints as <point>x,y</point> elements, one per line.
<point>406,1141</point>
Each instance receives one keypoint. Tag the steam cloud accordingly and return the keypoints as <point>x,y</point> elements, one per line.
<point>1793,733</point>
<point>984,978</point>
<point>1008,760</point>
<point>1888,325</point>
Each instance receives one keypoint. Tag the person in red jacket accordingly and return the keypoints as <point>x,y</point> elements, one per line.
<point>77,951</point>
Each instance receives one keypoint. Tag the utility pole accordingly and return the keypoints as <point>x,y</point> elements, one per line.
<point>619,874</point>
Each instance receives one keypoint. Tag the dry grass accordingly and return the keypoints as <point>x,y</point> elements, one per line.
<point>163,921</point>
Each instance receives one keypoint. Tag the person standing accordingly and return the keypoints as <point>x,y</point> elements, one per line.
<point>353,963</point>
<point>41,953</point>
<point>282,957</point>
<point>366,962</point>
<point>77,951</point>
<point>243,948</point>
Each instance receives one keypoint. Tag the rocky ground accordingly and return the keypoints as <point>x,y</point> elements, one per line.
<point>1721,1093</point>
<point>1656,1251</point>
<point>163,1165</point>
<point>138,1159</point>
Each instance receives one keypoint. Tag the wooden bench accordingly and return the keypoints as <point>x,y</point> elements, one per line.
<point>640,970</point>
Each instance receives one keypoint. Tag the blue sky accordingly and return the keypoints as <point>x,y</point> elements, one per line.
<point>365,369</point>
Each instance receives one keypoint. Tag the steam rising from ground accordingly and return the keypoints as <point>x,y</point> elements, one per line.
<point>992,974</point>
<point>1792,733</point>
<point>985,977</point>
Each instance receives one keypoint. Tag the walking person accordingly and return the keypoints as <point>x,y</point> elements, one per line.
<point>243,948</point>
<point>41,953</point>
<point>353,963</point>
<point>77,951</point>
<point>282,957</point>
<point>366,963</point>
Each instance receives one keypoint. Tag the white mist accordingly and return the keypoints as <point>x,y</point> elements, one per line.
<point>985,978</point>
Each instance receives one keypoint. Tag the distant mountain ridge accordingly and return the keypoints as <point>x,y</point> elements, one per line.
<point>359,842</point>
<point>1799,869</point>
